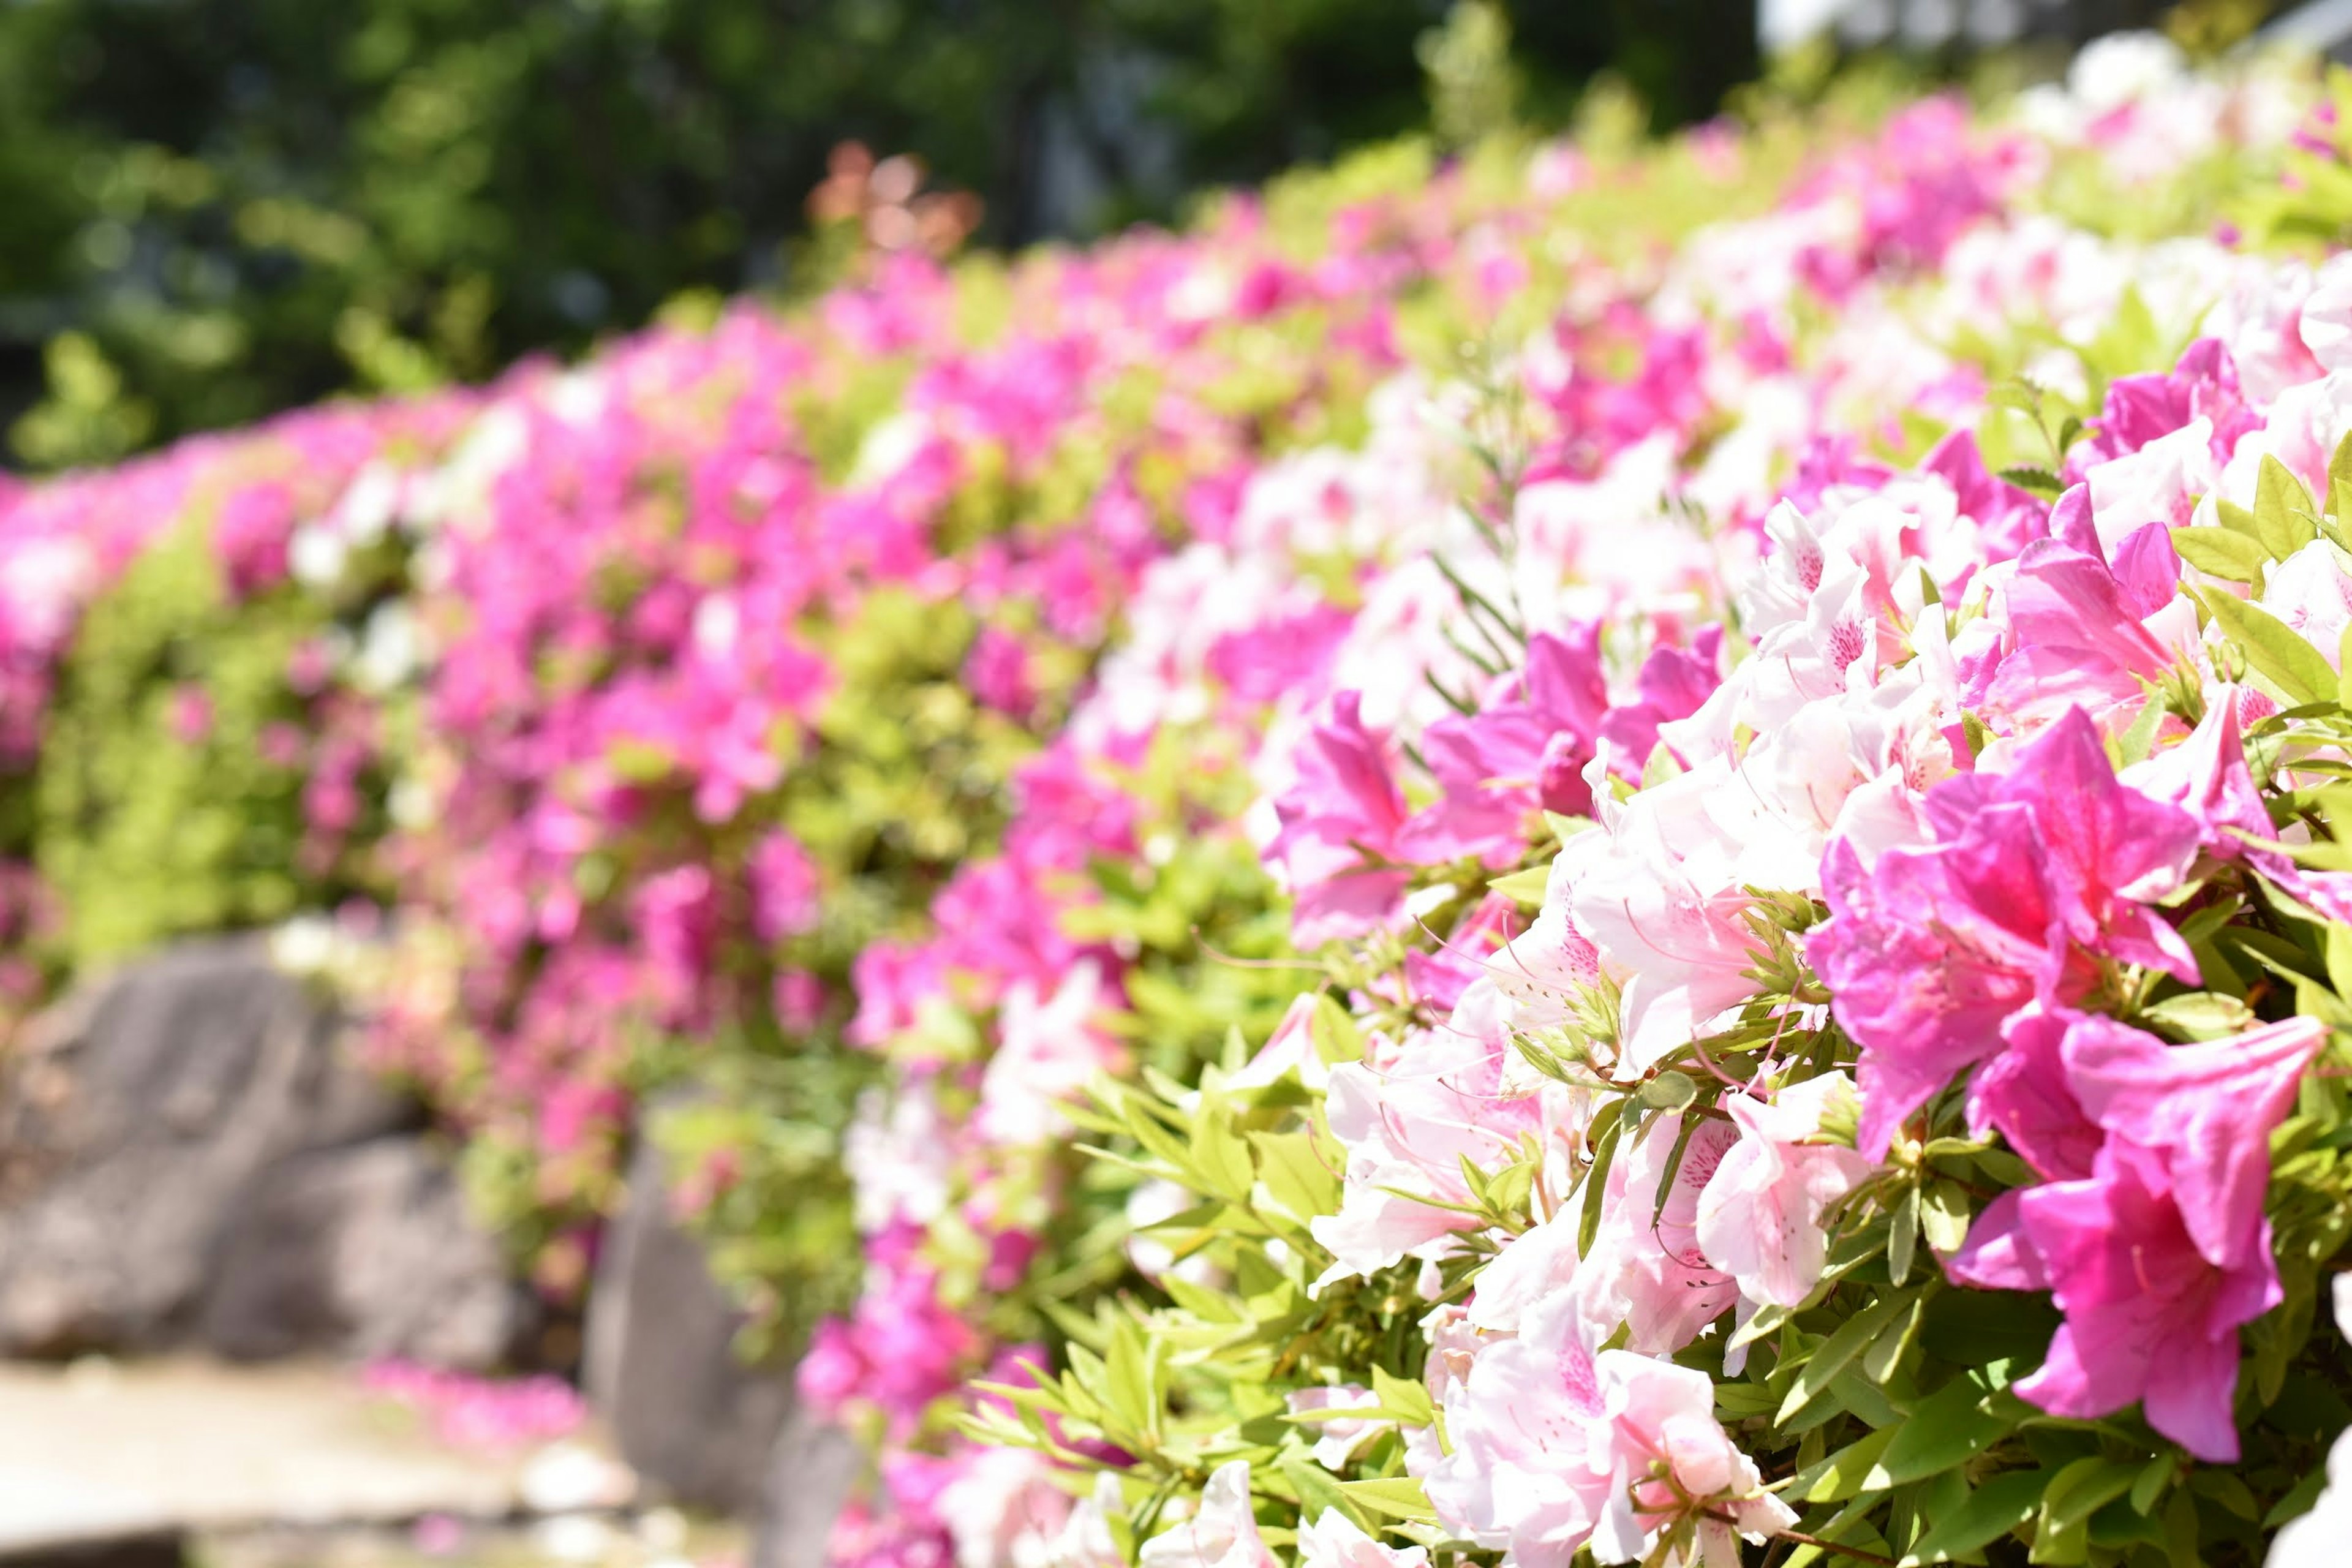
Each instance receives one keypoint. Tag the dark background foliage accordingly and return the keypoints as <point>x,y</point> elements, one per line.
<point>220,208</point>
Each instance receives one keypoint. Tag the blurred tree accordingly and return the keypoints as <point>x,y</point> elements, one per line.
<point>218,208</point>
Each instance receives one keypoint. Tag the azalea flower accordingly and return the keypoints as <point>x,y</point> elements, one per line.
<point>1557,1447</point>
<point>1761,1215</point>
<point>1221,1534</point>
<point>1334,1541</point>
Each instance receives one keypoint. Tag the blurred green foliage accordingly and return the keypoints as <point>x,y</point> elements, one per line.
<point>221,208</point>
<point>170,797</point>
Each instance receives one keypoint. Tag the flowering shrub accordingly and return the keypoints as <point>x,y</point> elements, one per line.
<point>1668,815</point>
<point>1826,1025</point>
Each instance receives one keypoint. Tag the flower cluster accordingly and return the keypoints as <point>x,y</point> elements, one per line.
<point>1669,819</point>
<point>1829,1026</point>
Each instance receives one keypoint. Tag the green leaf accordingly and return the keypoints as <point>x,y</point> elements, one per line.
<point>1607,1124</point>
<point>1296,1174</point>
<point>2138,741</point>
<point>1886,1352</point>
<point>2344,667</point>
<point>1944,1216</point>
<point>2299,1501</point>
<point>2222,552</point>
<point>1841,1475</point>
<point>2284,513</point>
<point>1670,1091</point>
<point>1992,1511</point>
<point>2154,1477</point>
<point>1831,1356</point>
<point>1947,1429</point>
<point>1404,1398</point>
<point>1525,888</point>
<point>1318,1489</point>
<point>2273,649</point>
<point>2237,520</point>
<point>1396,1496</point>
<point>1333,1031</point>
<point>2204,1014</point>
<point>2041,481</point>
<point>1902,1235</point>
<point>2077,1493</point>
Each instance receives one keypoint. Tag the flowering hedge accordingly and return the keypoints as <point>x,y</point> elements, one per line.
<point>1657,807</point>
<point>1827,932</point>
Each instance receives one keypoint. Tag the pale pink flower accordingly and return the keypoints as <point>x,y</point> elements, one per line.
<point>1003,1509</point>
<point>1337,1440</point>
<point>1557,1447</point>
<point>1334,1541</point>
<point>1760,1217</point>
<point>1047,1052</point>
<point>1223,1534</point>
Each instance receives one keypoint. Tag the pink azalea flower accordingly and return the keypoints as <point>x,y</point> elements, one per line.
<point>1344,805</point>
<point>2207,1109</point>
<point>1409,1118</point>
<point>1557,1448</point>
<point>1047,1052</point>
<point>1761,1217</point>
<point>1647,1268</point>
<point>1665,902</point>
<point>1929,950</point>
<point>2157,1252</point>
<point>1224,1534</point>
<point>1526,751</point>
<point>1001,1507</point>
<point>1334,1541</point>
<point>2024,1094</point>
<point>2149,1318</point>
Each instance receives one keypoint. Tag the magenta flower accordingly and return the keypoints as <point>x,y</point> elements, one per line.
<point>2158,1251</point>
<point>1344,806</point>
<point>2149,1318</point>
<point>1526,750</point>
<point>2207,1109</point>
<point>1929,952</point>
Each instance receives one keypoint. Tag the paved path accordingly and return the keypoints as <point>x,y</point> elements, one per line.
<point>97,1452</point>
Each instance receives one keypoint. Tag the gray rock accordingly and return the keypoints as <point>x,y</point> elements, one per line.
<point>366,1251</point>
<point>811,1470</point>
<point>661,1364</point>
<point>156,1125</point>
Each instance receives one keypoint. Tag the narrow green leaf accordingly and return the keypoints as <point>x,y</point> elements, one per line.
<point>1525,888</point>
<point>2299,1501</point>
<point>1596,1178</point>
<point>1404,1398</point>
<point>1318,1489</point>
<point>2222,552</point>
<point>2273,649</point>
<point>2154,1477</point>
<point>2237,520</point>
<point>1670,1091</point>
<point>2082,1490</point>
<point>1947,1429</point>
<point>1886,1352</point>
<point>2140,739</point>
<point>1840,1475</point>
<point>2204,1014</point>
<point>1902,1235</point>
<point>1831,1356</point>
<point>1395,1497</point>
<point>1992,1511</point>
